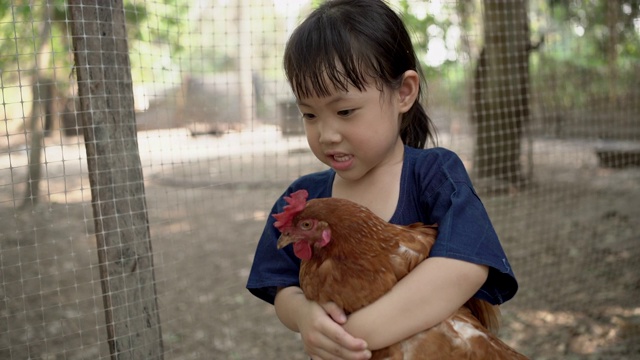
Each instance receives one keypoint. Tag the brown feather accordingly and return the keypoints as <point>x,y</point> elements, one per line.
<point>365,258</point>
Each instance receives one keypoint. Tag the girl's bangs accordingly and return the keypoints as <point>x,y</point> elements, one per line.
<point>323,63</point>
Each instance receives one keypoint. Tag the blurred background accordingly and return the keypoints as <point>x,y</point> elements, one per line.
<point>540,98</point>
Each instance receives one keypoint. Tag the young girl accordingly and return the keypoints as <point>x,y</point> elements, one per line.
<point>357,81</point>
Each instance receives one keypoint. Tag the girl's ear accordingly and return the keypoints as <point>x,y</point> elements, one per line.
<point>408,91</point>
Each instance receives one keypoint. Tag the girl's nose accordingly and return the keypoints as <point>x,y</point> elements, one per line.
<point>329,134</point>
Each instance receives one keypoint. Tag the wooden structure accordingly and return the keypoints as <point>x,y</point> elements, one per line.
<point>115,173</point>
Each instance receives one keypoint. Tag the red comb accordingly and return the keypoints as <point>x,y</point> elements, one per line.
<point>297,202</point>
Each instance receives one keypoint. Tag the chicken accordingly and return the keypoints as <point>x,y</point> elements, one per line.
<point>351,257</point>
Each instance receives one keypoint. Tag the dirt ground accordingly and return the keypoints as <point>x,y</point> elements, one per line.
<point>572,237</point>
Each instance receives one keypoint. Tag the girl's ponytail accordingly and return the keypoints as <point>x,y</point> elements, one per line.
<point>416,128</point>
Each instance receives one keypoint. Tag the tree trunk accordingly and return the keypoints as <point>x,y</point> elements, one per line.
<point>39,90</point>
<point>501,91</point>
<point>115,173</point>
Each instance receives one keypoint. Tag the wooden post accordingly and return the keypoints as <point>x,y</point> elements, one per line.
<point>115,173</point>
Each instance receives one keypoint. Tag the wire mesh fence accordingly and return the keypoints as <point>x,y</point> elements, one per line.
<point>153,211</point>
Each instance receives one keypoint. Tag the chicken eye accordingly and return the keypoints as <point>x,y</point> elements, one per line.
<point>306,225</point>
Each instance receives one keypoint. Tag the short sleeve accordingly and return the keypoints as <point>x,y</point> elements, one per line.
<point>465,229</point>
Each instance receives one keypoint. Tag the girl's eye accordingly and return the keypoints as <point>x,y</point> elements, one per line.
<point>306,225</point>
<point>308,116</point>
<point>345,112</point>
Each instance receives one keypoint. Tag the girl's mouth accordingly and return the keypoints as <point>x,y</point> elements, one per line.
<point>341,161</point>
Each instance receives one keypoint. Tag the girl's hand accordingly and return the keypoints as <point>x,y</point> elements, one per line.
<point>324,338</point>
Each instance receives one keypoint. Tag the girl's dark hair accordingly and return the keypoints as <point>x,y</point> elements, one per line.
<point>346,42</point>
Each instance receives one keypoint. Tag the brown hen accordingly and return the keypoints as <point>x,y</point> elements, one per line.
<point>351,257</point>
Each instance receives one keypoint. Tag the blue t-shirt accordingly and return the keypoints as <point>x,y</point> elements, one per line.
<point>434,188</point>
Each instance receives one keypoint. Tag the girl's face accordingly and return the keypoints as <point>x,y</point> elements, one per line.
<point>355,132</point>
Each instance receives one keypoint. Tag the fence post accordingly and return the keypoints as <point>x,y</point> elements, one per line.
<point>115,174</point>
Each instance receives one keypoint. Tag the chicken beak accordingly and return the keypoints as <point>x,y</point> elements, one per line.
<point>284,240</point>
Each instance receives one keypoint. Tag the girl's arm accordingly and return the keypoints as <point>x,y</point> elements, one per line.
<point>429,294</point>
<point>320,326</point>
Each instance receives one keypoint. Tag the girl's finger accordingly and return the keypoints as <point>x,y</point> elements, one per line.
<point>336,313</point>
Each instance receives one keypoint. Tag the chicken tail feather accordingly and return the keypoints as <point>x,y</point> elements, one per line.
<point>487,314</point>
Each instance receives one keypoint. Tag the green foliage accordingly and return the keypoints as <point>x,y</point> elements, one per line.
<point>597,25</point>
<point>16,29</point>
<point>136,15</point>
<point>419,23</point>
<point>436,35</point>
<point>171,37</point>
<point>156,34</point>
<point>593,46</point>
<point>156,27</point>
<point>162,25</point>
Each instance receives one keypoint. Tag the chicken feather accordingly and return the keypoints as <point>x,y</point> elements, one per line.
<point>351,257</point>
